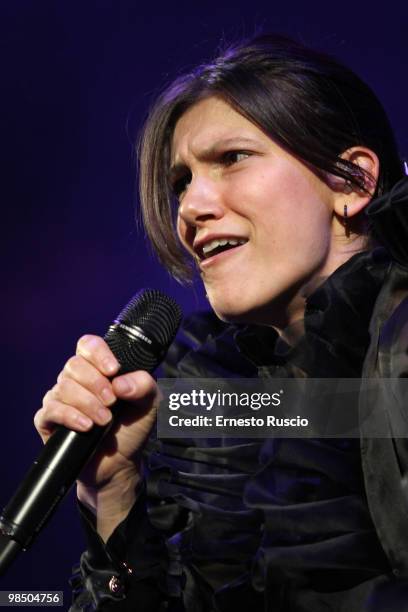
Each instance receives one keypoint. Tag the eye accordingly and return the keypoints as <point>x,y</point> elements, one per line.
<point>233,157</point>
<point>180,184</point>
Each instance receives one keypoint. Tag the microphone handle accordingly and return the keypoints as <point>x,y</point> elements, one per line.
<point>46,483</point>
<point>49,479</point>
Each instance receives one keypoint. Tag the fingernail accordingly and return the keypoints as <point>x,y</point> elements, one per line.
<point>84,422</point>
<point>104,415</point>
<point>124,385</point>
<point>107,396</point>
<point>110,365</point>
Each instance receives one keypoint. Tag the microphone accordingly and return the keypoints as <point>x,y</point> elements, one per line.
<point>139,338</point>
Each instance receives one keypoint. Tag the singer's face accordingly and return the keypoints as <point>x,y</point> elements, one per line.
<point>234,182</point>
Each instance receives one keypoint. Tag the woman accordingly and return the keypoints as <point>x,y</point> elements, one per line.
<point>265,161</point>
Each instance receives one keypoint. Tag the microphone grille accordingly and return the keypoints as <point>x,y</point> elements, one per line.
<point>144,330</point>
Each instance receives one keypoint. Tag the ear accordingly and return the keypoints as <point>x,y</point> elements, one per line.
<point>356,196</point>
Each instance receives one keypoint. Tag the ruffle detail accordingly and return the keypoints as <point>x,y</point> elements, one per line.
<point>251,516</point>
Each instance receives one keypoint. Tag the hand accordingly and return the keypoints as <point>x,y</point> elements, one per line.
<point>83,395</point>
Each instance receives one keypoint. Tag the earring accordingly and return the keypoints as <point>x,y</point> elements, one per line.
<point>345,221</point>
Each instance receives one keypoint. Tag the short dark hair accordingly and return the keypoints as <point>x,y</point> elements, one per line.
<point>306,101</point>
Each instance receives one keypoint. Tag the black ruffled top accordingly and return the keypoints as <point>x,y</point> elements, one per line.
<point>274,524</point>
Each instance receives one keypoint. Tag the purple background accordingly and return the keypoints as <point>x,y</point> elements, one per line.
<point>76,80</point>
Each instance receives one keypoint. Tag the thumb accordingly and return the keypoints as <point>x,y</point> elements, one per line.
<point>137,387</point>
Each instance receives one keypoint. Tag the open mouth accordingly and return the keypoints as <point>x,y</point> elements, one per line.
<point>216,246</point>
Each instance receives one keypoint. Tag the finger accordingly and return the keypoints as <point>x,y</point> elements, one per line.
<point>71,393</point>
<point>135,386</point>
<point>95,350</point>
<point>88,376</point>
<point>46,419</point>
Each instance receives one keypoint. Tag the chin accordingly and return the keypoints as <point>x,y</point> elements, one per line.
<point>274,313</point>
<point>230,314</point>
<point>231,318</point>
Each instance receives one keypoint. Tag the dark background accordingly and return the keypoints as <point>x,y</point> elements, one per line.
<point>76,81</point>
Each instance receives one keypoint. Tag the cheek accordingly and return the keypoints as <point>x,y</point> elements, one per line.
<point>287,220</point>
<point>264,190</point>
<point>181,228</point>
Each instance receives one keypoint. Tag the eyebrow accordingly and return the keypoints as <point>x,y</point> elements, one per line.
<point>180,167</point>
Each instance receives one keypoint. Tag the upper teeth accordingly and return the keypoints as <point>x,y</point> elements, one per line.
<point>210,246</point>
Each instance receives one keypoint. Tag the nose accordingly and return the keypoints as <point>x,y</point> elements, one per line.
<point>201,202</point>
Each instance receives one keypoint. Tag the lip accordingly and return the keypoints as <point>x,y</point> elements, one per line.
<point>219,257</point>
<point>199,243</point>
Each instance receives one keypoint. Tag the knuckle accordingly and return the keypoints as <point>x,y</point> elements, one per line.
<point>73,364</point>
<point>62,390</point>
<point>47,408</point>
<point>46,398</point>
<point>81,371</point>
<point>88,343</point>
<point>95,350</point>
<point>48,414</point>
<point>57,390</point>
<point>38,418</point>
<point>136,386</point>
